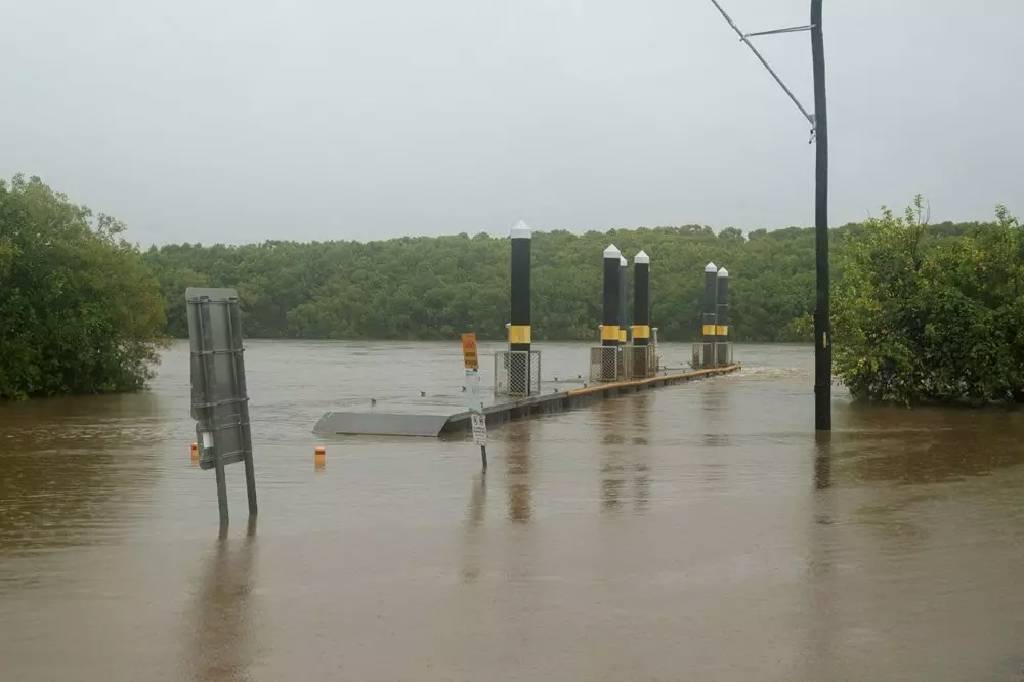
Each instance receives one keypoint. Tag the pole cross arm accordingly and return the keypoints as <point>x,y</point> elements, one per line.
<point>764,62</point>
<point>794,29</point>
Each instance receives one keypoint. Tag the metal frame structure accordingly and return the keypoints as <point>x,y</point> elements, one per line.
<point>720,355</point>
<point>642,361</point>
<point>219,401</point>
<point>517,373</point>
<point>607,363</point>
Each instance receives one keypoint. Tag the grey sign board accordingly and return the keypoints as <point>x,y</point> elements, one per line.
<point>220,402</point>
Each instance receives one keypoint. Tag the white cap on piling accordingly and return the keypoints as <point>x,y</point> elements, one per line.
<point>723,272</point>
<point>641,257</point>
<point>520,231</point>
<point>710,267</point>
<point>622,261</point>
<point>612,252</point>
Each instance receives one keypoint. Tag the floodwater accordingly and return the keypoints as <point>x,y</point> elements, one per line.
<point>699,531</point>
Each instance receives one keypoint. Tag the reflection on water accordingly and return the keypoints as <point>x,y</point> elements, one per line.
<point>624,467</point>
<point>612,441</point>
<point>667,526</point>
<point>822,459</point>
<point>224,621</point>
<point>517,471</point>
<point>473,531</point>
<point>477,501</point>
<point>821,586</point>
<point>640,409</point>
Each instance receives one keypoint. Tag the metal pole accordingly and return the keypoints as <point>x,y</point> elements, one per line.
<point>610,314</point>
<point>610,302</point>
<point>709,318</point>
<point>642,316</point>
<point>623,304</point>
<point>209,413</point>
<point>222,492</point>
<point>641,299</point>
<point>234,325</point>
<point>250,484</point>
<point>822,328</point>
<point>722,355</point>
<point>519,329</point>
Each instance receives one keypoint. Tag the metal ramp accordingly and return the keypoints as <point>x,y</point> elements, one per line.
<point>381,423</point>
<point>437,414</point>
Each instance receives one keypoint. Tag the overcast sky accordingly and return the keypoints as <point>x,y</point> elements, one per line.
<point>243,121</point>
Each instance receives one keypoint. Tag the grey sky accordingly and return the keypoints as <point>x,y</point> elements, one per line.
<point>242,121</point>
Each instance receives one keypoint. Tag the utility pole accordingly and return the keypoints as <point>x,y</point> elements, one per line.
<point>819,133</point>
<point>822,326</point>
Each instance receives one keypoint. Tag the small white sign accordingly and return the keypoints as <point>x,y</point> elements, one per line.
<point>473,400</point>
<point>479,428</point>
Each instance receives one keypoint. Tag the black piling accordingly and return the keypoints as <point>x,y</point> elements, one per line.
<point>822,324</point>
<point>709,316</point>
<point>623,305</point>
<point>610,302</point>
<point>519,328</point>
<point>722,324</point>
<point>610,312</point>
<point>641,299</point>
<point>642,359</point>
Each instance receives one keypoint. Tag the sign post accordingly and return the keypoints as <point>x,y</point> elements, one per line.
<point>471,363</point>
<point>220,402</point>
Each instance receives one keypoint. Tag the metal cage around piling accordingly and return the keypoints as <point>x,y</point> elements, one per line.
<point>608,363</point>
<point>708,355</point>
<point>642,361</point>
<point>517,372</point>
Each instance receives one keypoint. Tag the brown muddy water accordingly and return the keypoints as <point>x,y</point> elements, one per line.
<point>692,532</point>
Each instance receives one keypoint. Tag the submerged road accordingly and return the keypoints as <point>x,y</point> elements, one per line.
<point>694,532</point>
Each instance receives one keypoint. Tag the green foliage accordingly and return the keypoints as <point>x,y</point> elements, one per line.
<point>919,311</point>
<point>437,287</point>
<point>79,312</point>
<point>932,314</point>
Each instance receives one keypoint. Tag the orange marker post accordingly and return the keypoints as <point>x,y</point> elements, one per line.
<point>471,361</point>
<point>469,355</point>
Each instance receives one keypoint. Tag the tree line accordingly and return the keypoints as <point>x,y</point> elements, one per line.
<point>438,287</point>
<point>920,310</point>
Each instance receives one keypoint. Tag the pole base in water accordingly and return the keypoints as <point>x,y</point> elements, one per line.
<point>822,408</point>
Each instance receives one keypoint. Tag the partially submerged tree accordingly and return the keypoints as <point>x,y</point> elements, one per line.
<point>917,318</point>
<point>79,311</point>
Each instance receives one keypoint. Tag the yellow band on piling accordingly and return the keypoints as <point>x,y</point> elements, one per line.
<point>709,330</point>
<point>519,333</point>
<point>609,332</point>
<point>622,335</point>
<point>641,331</point>
<point>722,330</point>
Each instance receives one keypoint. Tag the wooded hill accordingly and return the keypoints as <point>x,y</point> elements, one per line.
<point>438,287</point>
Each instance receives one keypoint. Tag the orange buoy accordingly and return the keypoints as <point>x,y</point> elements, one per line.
<point>319,457</point>
<point>194,450</point>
